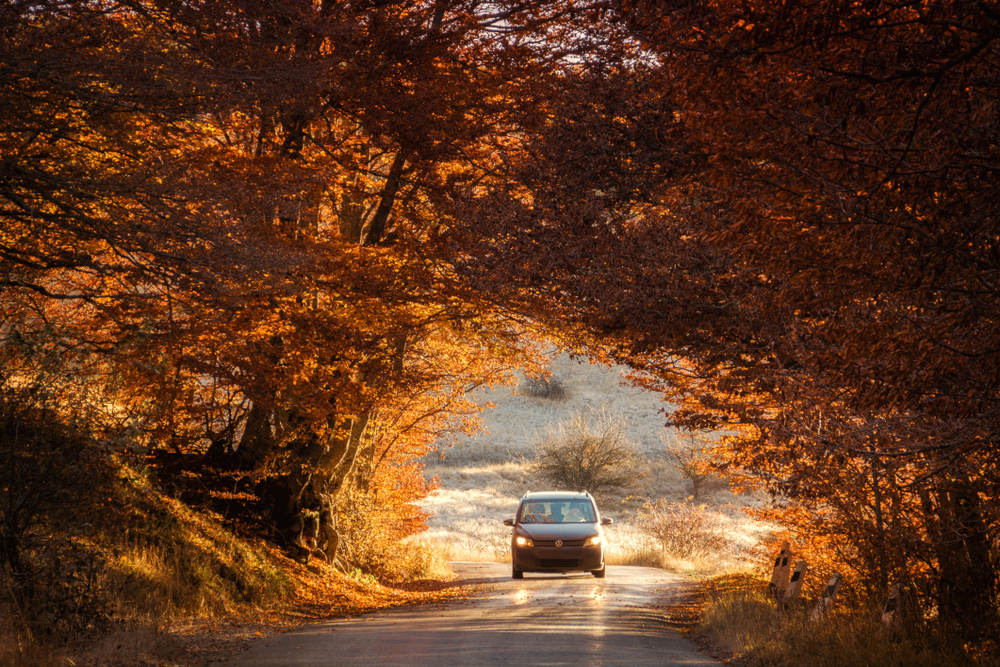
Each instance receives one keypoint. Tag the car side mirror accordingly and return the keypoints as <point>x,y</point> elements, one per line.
<point>607,522</point>
<point>508,522</point>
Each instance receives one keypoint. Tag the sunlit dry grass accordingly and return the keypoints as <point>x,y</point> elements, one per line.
<point>744,622</point>
<point>155,560</point>
<point>169,569</point>
<point>169,560</point>
<point>483,540</point>
<point>482,479</point>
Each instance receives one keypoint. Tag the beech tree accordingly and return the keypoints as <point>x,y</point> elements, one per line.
<point>236,208</point>
<point>855,176</point>
<point>784,216</point>
<point>281,240</point>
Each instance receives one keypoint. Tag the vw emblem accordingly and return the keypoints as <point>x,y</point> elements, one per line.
<point>558,543</point>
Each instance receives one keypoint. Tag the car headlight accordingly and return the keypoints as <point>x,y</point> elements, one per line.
<point>592,541</point>
<point>523,541</point>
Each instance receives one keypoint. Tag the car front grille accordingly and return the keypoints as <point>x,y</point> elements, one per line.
<point>552,543</point>
<point>565,562</point>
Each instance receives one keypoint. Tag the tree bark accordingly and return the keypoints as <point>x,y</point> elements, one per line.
<point>376,228</point>
<point>967,589</point>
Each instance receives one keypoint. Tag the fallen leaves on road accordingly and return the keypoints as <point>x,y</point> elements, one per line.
<point>684,611</point>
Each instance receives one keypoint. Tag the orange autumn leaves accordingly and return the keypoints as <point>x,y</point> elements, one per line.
<point>227,223</point>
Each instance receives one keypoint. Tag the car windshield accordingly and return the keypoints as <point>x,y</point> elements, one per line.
<point>558,511</point>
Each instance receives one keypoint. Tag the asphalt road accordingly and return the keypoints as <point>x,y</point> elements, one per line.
<point>541,620</point>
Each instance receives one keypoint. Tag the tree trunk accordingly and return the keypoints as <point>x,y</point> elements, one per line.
<point>376,228</point>
<point>297,500</point>
<point>967,589</point>
<point>257,439</point>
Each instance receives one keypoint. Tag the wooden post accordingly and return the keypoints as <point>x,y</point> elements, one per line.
<point>892,605</point>
<point>829,595</point>
<point>779,577</point>
<point>795,583</point>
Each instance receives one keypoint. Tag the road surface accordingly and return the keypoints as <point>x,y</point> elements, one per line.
<point>573,620</point>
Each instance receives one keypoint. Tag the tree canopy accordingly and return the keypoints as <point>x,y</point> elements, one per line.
<point>277,242</point>
<point>785,217</point>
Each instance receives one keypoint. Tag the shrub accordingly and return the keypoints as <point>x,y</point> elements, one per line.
<point>578,455</point>
<point>375,518</point>
<point>53,489</point>
<point>693,463</point>
<point>549,387</point>
<point>685,530</point>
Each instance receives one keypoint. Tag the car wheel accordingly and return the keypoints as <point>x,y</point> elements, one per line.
<point>602,573</point>
<point>516,573</point>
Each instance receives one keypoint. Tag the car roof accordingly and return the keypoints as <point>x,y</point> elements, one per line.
<point>556,495</point>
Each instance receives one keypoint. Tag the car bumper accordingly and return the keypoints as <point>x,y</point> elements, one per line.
<point>558,559</point>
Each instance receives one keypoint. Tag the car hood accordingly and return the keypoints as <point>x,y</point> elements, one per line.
<point>560,531</point>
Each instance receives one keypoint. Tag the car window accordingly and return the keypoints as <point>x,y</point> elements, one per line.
<point>534,513</point>
<point>554,511</point>
<point>580,512</point>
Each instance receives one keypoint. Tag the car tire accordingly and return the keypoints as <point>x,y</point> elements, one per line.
<point>602,573</point>
<point>516,573</point>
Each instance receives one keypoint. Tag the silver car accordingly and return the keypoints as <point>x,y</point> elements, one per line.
<point>557,531</point>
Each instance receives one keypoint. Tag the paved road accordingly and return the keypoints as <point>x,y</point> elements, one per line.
<point>541,620</point>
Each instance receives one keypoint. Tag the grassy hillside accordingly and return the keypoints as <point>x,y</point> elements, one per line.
<point>482,477</point>
<point>101,567</point>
